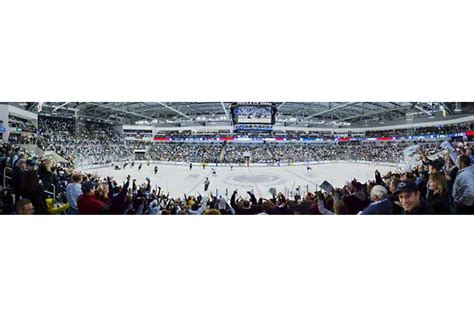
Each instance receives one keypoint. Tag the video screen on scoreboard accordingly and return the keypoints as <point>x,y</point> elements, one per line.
<point>253,113</point>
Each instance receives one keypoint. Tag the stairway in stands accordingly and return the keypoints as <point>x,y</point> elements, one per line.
<point>32,149</point>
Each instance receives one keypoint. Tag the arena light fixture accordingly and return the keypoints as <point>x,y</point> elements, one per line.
<point>423,110</point>
<point>60,106</point>
<point>225,111</point>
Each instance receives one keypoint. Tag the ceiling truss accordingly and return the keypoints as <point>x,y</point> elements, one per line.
<point>309,113</point>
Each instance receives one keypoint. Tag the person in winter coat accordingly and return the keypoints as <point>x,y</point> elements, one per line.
<point>380,203</point>
<point>32,190</point>
<point>411,200</point>
<point>438,194</point>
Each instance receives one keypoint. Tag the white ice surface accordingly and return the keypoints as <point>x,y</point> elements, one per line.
<point>179,180</point>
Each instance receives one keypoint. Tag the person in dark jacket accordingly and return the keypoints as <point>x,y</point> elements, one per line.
<point>206,184</point>
<point>422,183</point>
<point>357,200</point>
<point>119,201</point>
<point>246,207</point>
<point>380,203</point>
<point>282,207</point>
<point>47,176</point>
<point>397,209</point>
<point>411,200</point>
<point>450,171</point>
<point>438,194</point>
<point>17,175</point>
<point>32,190</point>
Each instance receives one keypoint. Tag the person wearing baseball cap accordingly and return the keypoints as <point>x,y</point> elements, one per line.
<point>411,200</point>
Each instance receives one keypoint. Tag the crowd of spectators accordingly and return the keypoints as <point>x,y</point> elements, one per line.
<point>21,124</point>
<point>386,152</point>
<point>441,182</point>
<point>296,135</point>
<point>444,185</point>
<point>24,139</point>
<point>240,153</point>
<point>31,181</point>
<point>192,152</point>
<point>422,131</point>
<point>257,153</point>
<point>88,142</point>
<point>84,143</point>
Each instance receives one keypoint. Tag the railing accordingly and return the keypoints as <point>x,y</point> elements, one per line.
<point>15,198</point>
<point>5,177</point>
<point>53,193</point>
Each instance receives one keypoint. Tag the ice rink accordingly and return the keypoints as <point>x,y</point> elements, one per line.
<point>179,180</point>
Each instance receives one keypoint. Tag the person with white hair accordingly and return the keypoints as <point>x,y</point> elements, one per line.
<point>380,203</point>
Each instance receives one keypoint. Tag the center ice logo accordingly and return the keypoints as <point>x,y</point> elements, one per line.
<point>258,178</point>
<point>261,178</point>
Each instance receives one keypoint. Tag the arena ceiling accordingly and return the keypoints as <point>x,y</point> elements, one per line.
<point>296,113</point>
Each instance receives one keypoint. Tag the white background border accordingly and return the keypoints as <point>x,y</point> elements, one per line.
<point>208,50</point>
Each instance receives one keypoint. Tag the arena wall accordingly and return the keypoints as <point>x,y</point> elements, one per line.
<point>252,165</point>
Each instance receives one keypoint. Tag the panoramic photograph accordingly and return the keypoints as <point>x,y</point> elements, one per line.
<point>237,158</point>
<point>115,111</point>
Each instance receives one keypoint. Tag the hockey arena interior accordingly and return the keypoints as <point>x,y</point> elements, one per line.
<point>237,158</point>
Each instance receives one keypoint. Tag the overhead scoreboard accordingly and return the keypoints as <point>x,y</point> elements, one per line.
<point>253,115</point>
